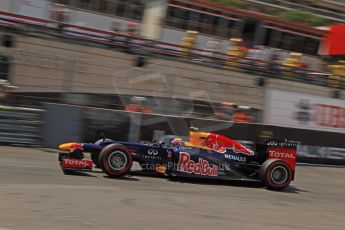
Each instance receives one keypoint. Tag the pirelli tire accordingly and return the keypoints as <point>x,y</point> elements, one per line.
<point>95,156</point>
<point>115,160</point>
<point>275,174</point>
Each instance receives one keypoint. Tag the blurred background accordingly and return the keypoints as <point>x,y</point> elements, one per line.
<point>135,70</point>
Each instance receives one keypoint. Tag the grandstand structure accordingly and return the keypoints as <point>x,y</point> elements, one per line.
<point>81,61</point>
<point>333,11</point>
<point>211,20</point>
<point>48,64</point>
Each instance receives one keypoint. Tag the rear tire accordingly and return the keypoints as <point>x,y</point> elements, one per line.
<point>115,160</point>
<point>276,174</point>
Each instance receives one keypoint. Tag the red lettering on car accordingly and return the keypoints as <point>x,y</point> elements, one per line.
<point>202,167</point>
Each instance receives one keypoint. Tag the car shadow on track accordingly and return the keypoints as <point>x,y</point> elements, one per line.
<point>292,189</point>
<point>76,173</point>
<point>235,183</point>
<point>217,182</point>
<point>178,179</point>
<point>126,178</point>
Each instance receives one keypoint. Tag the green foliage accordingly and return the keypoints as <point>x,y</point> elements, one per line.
<point>303,17</point>
<point>227,2</point>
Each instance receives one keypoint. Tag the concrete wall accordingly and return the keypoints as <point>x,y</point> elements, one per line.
<point>42,65</point>
<point>96,20</point>
<point>5,5</point>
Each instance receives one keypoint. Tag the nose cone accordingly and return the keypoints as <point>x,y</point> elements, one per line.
<point>71,147</point>
<point>66,146</point>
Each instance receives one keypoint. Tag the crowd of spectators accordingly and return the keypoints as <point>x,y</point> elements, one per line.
<point>239,56</point>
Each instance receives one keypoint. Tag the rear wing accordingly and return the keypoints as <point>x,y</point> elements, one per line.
<point>284,150</point>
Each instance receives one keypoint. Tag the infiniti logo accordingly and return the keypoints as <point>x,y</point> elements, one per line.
<point>152,152</point>
<point>274,143</point>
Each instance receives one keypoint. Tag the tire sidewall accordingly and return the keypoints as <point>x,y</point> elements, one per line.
<point>104,160</point>
<point>266,174</point>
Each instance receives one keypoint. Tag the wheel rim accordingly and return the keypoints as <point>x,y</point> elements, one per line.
<point>117,160</point>
<point>279,175</point>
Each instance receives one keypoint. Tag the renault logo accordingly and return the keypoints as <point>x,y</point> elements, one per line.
<point>152,152</point>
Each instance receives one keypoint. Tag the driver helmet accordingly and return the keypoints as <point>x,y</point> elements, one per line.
<point>177,142</point>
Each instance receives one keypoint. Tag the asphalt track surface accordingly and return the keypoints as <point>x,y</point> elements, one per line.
<point>35,194</point>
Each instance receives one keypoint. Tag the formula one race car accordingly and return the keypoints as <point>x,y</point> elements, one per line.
<point>202,155</point>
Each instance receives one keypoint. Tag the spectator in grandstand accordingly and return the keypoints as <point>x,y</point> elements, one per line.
<point>256,53</point>
<point>59,15</point>
<point>243,114</point>
<point>5,87</point>
<point>137,108</point>
<point>212,48</point>
<point>255,58</point>
<point>338,73</point>
<point>131,31</point>
<point>275,62</point>
<point>236,52</point>
<point>136,105</point>
<point>225,111</point>
<point>292,64</point>
<point>114,30</point>
<point>3,92</point>
<point>189,42</point>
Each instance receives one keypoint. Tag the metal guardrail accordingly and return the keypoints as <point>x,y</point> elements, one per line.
<point>20,126</point>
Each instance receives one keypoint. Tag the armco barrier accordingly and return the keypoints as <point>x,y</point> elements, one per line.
<point>20,126</point>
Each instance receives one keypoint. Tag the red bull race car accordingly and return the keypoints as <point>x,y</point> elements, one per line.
<point>201,155</point>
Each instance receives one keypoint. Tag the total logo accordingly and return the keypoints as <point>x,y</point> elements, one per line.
<point>72,163</point>
<point>202,167</point>
<point>274,154</point>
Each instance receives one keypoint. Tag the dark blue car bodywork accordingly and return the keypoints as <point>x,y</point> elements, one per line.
<point>231,165</point>
<point>272,162</point>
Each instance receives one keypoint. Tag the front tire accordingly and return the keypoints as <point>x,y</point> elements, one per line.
<point>276,174</point>
<point>115,160</point>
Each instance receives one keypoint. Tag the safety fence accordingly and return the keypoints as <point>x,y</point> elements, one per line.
<point>145,47</point>
<point>20,126</point>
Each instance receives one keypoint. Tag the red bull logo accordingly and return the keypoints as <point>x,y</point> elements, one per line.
<point>202,167</point>
<point>239,148</point>
<point>219,143</point>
